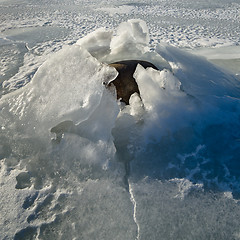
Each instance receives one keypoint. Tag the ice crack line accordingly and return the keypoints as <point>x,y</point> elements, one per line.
<point>134,210</point>
<point>134,203</point>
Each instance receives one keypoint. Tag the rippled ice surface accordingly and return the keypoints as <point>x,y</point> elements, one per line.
<point>164,167</point>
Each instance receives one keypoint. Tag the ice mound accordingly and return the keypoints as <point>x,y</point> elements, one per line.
<point>69,86</point>
<point>130,41</point>
<point>175,141</point>
<point>97,43</point>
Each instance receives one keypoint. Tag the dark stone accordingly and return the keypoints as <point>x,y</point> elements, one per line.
<point>125,83</point>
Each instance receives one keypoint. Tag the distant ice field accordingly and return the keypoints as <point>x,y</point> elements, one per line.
<point>166,166</point>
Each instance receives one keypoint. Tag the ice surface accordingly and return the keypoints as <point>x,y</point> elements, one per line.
<point>195,217</point>
<point>58,91</point>
<point>97,43</point>
<point>130,42</point>
<point>198,76</point>
<point>166,166</point>
<point>185,109</point>
<point>226,57</point>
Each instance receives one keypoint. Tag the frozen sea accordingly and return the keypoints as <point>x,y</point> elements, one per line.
<point>77,164</point>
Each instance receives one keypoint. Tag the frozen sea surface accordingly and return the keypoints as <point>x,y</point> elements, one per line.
<point>164,167</point>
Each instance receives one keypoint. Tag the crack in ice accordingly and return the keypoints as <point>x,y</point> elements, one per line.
<point>134,210</point>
